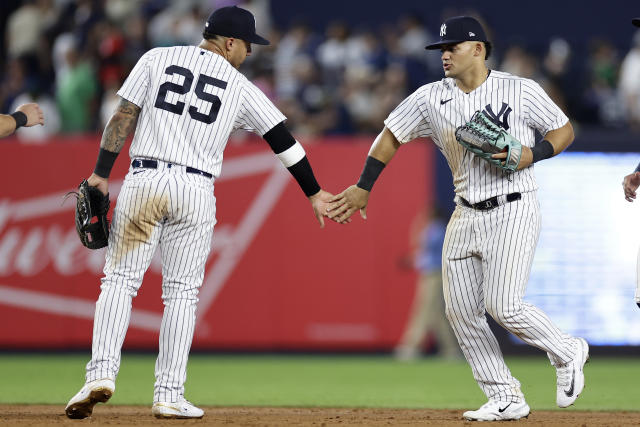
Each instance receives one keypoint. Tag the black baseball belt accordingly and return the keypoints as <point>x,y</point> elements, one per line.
<point>491,203</point>
<point>153,164</point>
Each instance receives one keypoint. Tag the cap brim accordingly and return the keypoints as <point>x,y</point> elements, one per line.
<point>636,22</point>
<point>256,39</point>
<point>442,43</point>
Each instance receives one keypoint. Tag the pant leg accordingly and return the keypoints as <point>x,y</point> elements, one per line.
<point>465,307</point>
<point>437,320</point>
<point>133,239</point>
<point>417,324</point>
<point>185,246</point>
<point>510,237</point>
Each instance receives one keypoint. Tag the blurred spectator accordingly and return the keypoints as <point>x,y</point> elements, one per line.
<point>518,61</point>
<point>600,95</point>
<point>629,83</point>
<point>342,79</point>
<point>555,67</point>
<point>427,315</point>
<point>26,24</point>
<point>295,45</point>
<point>76,91</point>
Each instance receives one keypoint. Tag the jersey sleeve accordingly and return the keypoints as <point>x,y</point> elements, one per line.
<point>541,113</point>
<point>257,113</point>
<point>408,121</point>
<point>135,86</point>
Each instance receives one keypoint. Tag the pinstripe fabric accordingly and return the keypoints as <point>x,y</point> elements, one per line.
<point>487,255</point>
<point>423,114</point>
<point>175,211</point>
<point>178,138</point>
<point>486,265</point>
<point>191,100</point>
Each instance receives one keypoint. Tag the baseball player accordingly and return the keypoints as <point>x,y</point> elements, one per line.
<point>183,102</point>
<point>630,184</point>
<point>492,234</point>
<point>26,115</point>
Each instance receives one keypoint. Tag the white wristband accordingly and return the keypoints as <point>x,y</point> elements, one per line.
<point>292,155</point>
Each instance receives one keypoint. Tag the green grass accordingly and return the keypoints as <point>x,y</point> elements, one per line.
<point>330,381</point>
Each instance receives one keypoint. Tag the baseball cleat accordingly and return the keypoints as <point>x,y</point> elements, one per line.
<point>81,405</point>
<point>181,409</point>
<point>496,410</point>
<point>571,376</point>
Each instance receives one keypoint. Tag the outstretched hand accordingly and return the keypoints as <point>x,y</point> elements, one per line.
<point>630,185</point>
<point>33,112</point>
<point>343,205</point>
<point>320,203</point>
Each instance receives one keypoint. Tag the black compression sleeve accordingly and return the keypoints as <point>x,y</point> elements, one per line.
<point>303,173</point>
<point>542,150</point>
<point>372,169</point>
<point>105,162</point>
<point>279,138</point>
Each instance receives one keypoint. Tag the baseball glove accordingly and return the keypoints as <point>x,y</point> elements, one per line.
<point>483,137</point>
<point>90,202</point>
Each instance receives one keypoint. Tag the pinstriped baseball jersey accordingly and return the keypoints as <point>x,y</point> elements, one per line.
<point>181,90</point>
<point>517,104</point>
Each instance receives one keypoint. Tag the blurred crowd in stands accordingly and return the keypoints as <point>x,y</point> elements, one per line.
<point>71,56</point>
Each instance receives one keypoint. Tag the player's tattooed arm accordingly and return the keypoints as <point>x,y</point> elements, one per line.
<point>122,123</point>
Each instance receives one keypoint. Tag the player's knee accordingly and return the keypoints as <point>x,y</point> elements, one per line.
<point>120,284</point>
<point>179,291</point>
<point>503,314</point>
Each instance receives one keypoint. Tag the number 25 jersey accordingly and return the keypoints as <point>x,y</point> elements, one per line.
<point>191,99</point>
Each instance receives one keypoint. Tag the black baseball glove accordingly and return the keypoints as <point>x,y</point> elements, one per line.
<point>90,203</point>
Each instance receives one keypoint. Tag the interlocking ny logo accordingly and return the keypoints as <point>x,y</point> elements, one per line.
<point>443,30</point>
<point>501,118</point>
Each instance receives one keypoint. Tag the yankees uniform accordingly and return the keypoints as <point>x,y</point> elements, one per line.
<point>491,237</point>
<point>190,100</point>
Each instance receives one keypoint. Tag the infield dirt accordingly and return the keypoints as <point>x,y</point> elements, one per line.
<point>110,415</point>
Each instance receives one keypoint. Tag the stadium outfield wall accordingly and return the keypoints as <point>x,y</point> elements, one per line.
<point>274,279</point>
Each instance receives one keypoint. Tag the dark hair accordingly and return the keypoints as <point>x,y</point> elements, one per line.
<point>487,47</point>
<point>209,36</point>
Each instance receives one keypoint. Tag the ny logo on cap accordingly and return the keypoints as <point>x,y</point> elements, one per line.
<point>443,30</point>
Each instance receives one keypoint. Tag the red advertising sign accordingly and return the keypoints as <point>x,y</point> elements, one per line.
<point>274,279</point>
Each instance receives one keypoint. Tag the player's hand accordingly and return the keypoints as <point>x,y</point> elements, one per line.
<point>33,112</point>
<point>630,185</point>
<point>343,205</point>
<point>99,182</point>
<point>320,202</point>
<point>525,159</point>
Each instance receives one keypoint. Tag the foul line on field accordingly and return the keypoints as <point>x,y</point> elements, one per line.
<point>69,306</point>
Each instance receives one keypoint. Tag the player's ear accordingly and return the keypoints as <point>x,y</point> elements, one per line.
<point>477,50</point>
<point>229,43</point>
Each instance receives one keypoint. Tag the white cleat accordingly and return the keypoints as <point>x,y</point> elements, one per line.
<point>81,405</point>
<point>181,409</point>
<point>571,376</point>
<point>496,410</point>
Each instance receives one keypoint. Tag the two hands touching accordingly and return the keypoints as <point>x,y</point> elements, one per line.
<point>340,207</point>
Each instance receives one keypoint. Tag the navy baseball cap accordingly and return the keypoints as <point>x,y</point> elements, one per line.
<point>459,29</point>
<point>636,22</point>
<point>235,22</point>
